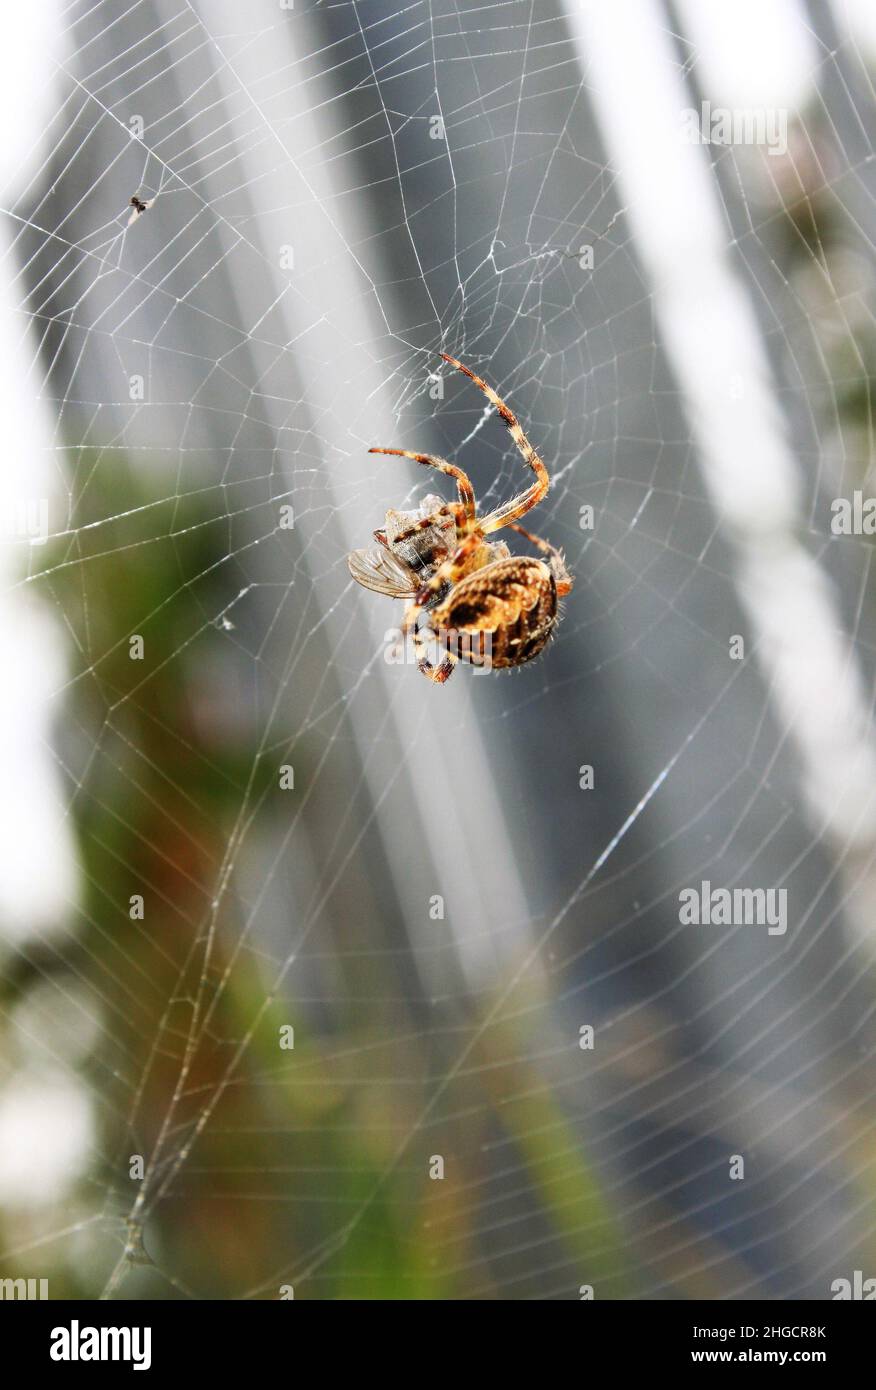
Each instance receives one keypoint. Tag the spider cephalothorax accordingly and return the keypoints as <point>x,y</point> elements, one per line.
<point>484,604</point>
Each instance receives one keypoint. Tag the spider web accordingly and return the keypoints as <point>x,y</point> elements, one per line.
<point>299,948</point>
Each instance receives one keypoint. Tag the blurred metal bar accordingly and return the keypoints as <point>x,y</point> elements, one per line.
<point>409,733</point>
<point>711,337</point>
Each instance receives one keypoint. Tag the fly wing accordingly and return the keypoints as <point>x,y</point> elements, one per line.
<point>381,571</point>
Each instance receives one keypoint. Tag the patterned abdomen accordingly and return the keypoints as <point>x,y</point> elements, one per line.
<point>501,615</point>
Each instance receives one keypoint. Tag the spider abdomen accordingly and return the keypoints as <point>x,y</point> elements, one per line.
<point>507,609</point>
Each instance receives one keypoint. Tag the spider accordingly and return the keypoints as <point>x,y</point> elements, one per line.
<point>503,606</point>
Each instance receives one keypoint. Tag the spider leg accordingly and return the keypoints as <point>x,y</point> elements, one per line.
<point>438,674</point>
<point>522,503</point>
<point>463,484</point>
<point>564,579</point>
<point>449,570</point>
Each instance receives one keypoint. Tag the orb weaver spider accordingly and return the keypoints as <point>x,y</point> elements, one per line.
<point>504,606</point>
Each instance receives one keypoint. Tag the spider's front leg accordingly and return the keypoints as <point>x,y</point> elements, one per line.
<point>522,503</point>
<point>452,569</point>
<point>465,491</point>
<point>438,674</point>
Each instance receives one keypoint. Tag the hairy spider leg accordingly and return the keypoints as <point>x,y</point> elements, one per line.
<point>463,484</point>
<point>439,674</point>
<point>564,580</point>
<point>524,501</point>
<point>447,572</point>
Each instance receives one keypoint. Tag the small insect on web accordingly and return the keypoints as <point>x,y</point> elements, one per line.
<point>138,206</point>
<point>506,607</point>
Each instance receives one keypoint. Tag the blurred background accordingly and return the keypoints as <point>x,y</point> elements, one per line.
<point>315,977</point>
